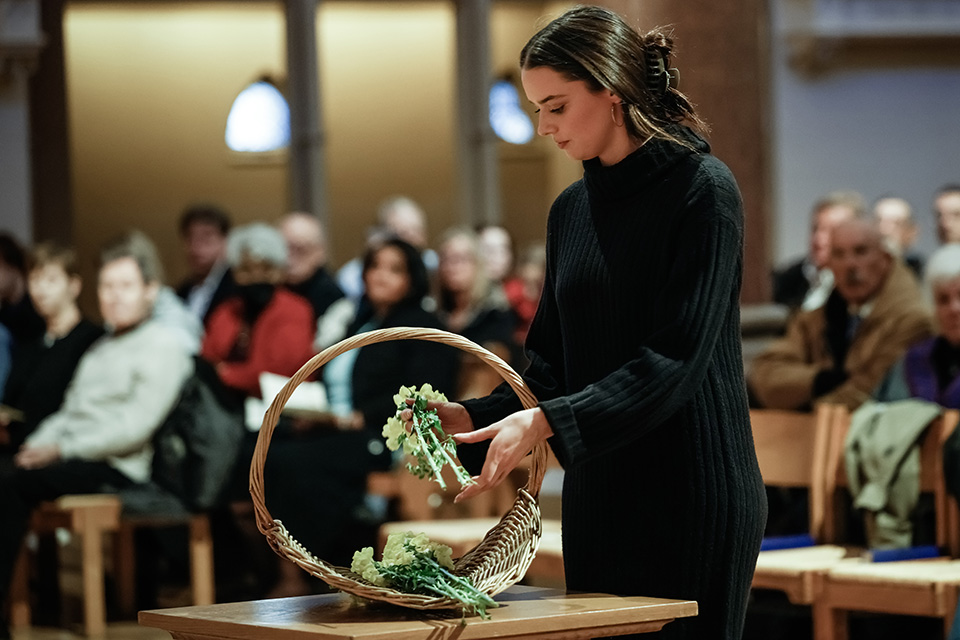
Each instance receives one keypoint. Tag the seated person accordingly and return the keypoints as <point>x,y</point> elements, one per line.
<point>16,309</point>
<point>326,464</point>
<point>839,352</point>
<point>805,284</point>
<point>474,306</point>
<point>307,272</point>
<point>263,327</point>
<point>525,288</point>
<point>124,387</point>
<point>43,368</point>
<point>203,230</point>
<point>930,370</point>
<point>895,220</point>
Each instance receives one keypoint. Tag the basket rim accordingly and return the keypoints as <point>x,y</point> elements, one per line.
<point>279,538</point>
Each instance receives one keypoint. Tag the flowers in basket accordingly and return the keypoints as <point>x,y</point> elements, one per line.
<point>412,563</point>
<point>426,442</point>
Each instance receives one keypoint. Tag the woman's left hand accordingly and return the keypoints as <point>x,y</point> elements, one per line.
<point>510,440</point>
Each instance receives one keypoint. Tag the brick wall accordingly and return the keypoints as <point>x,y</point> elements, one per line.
<point>722,53</point>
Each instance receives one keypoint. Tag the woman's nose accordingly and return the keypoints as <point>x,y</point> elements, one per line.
<point>544,126</point>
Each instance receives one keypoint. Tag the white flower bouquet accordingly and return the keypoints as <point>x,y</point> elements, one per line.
<point>426,442</point>
<point>412,563</point>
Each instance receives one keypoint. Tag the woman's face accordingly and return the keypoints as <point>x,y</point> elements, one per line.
<point>458,265</point>
<point>946,300</point>
<point>386,279</point>
<point>578,119</point>
<point>252,270</point>
<point>52,289</point>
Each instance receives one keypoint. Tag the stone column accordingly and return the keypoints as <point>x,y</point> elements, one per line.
<point>476,143</point>
<point>307,170</point>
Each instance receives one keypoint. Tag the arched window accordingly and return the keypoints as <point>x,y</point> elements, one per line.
<point>259,119</point>
<point>507,117</point>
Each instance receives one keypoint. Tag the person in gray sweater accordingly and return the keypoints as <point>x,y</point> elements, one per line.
<point>124,387</point>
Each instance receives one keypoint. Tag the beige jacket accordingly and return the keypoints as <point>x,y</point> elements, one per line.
<point>782,377</point>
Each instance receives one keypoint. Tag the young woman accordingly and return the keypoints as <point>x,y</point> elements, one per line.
<point>325,465</point>
<point>635,348</point>
<point>43,368</point>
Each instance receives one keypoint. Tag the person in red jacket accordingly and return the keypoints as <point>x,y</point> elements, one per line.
<point>264,327</point>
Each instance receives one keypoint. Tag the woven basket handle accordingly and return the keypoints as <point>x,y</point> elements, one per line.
<point>539,457</point>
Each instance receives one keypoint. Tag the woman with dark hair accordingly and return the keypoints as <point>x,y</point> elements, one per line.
<point>325,465</point>
<point>361,383</point>
<point>635,347</point>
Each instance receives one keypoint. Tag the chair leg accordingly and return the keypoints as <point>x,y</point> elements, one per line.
<point>125,569</point>
<point>201,560</point>
<point>94,598</point>
<point>20,590</point>
<point>829,623</point>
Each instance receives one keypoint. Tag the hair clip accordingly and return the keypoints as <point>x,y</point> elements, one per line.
<point>659,77</point>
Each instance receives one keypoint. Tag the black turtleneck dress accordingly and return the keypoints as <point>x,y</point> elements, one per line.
<point>635,359</point>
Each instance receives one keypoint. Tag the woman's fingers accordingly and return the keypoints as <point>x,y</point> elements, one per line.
<point>489,477</point>
<point>469,437</point>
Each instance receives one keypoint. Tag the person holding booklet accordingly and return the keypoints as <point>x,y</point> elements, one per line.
<point>635,347</point>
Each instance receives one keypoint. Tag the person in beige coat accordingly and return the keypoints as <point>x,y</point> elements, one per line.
<point>840,352</point>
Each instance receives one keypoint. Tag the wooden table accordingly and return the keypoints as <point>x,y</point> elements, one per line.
<point>524,612</point>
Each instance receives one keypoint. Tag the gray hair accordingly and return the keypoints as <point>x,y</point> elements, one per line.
<point>943,265</point>
<point>258,241</point>
<point>135,244</point>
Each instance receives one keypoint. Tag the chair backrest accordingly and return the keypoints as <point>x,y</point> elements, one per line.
<point>792,449</point>
<point>947,525</point>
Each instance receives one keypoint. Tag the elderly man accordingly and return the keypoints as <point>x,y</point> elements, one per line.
<point>839,352</point>
<point>806,283</point>
<point>306,272</point>
<point>124,387</point>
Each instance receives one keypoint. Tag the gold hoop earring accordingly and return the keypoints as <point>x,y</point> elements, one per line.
<point>613,115</point>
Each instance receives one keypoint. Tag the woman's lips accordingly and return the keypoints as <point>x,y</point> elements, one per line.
<point>562,144</point>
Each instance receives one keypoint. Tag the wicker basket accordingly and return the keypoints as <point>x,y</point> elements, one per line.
<point>501,558</point>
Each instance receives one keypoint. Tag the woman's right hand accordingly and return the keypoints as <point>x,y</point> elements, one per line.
<point>453,417</point>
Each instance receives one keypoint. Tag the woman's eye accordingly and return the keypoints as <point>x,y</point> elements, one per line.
<point>557,110</point>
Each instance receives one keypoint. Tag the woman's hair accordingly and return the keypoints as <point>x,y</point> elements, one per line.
<point>417,272</point>
<point>12,254</point>
<point>943,265</point>
<point>135,244</point>
<point>47,253</point>
<point>597,46</point>
<point>257,241</point>
<point>481,282</point>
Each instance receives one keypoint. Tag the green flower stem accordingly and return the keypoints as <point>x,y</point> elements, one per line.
<point>436,471</point>
<point>462,476</point>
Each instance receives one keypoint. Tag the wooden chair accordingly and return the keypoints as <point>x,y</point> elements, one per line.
<point>89,517</point>
<point>200,546</point>
<point>919,588</point>
<point>792,449</point>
